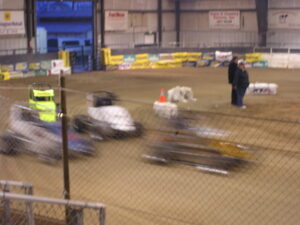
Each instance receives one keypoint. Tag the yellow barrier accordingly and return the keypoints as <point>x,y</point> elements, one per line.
<point>253,57</point>
<point>116,60</point>
<point>166,64</point>
<point>160,65</point>
<point>7,68</point>
<point>142,58</point>
<point>34,66</point>
<point>175,64</point>
<point>140,65</point>
<point>65,56</point>
<point>180,56</point>
<point>208,57</point>
<point>215,64</point>
<point>4,76</point>
<point>165,56</point>
<point>106,54</point>
<point>194,56</point>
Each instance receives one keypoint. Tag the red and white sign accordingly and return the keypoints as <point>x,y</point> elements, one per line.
<point>116,20</point>
<point>224,19</point>
<point>284,19</point>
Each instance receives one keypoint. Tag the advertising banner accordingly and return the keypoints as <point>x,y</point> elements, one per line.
<point>223,56</point>
<point>21,67</point>
<point>224,19</point>
<point>129,58</point>
<point>153,57</point>
<point>12,22</point>
<point>116,20</point>
<point>284,19</point>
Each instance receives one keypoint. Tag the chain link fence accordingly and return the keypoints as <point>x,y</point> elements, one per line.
<point>199,168</point>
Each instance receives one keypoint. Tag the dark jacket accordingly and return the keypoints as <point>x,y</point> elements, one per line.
<point>241,79</point>
<point>231,72</point>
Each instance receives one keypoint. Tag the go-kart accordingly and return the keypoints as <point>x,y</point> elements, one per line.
<point>41,97</point>
<point>178,143</point>
<point>106,120</point>
<point>28,134</point>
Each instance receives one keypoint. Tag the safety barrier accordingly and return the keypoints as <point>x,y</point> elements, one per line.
<point>40,68</point>
<point>48,210</point>
<point>264,59</point>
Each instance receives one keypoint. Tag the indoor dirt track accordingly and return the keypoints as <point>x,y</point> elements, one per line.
<point>136,192</point>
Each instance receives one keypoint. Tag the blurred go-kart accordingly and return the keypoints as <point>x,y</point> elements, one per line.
<point>178,143</point>
<point>106,120</point>
<point>28,134</point>
<point>41,97</point>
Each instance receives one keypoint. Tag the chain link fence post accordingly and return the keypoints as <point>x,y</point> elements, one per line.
<point>6,217</point>
<point>64,133</point>
<point>29,208</point>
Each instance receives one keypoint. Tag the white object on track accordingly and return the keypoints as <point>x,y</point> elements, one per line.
<point>262,89</point>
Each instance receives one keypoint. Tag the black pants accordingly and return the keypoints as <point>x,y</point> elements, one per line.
<point>233,96</point>
<point>240,93</point>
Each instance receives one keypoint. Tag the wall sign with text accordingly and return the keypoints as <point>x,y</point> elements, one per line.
<point>116,20</point>
<point>284,19</point>
<point>12,22</point>
<point>224,19</point>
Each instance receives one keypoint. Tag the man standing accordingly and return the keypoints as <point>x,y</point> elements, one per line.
<point>240,84</point>
<point>231,73</point>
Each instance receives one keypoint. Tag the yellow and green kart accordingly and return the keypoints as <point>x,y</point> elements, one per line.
<point>41,98</point>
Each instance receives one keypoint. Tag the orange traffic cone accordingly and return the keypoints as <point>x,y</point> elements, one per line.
<point>162,98</point>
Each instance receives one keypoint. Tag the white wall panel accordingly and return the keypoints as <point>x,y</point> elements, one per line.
<point>218,4</point>
<point>152,21</point>
<point>13,43</point>
<point>12,4</point>
<point>189,21</point>
<point>194,21</point>
<point>168,21</point>
<point>285,39</point>
<point>142,21</point>
<point>131,4</point>
<point>117,5</point>
<point>169,39</point>
<point>210,38</point>
<point>143,5</point>
<point>168,4</point>
<point>284,4</point>
<point>249,21</point>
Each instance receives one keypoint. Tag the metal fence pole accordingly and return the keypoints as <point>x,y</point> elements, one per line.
<point>64,126</point>
<point>77,217</point>
<point>29,208</point>
<point>102,215</point>
<point>6,209</point>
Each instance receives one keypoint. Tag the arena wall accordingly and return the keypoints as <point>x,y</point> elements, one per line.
<point>9,42</point>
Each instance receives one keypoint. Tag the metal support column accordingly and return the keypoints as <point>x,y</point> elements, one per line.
<point>95,35</point>
<point>177,22</point>
<point>262,21</point>
<point>102,19</point>
<point>159,21</point>
<point>30,22</point>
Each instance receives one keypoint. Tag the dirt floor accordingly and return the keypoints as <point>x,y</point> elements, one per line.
<point>136,192</point>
